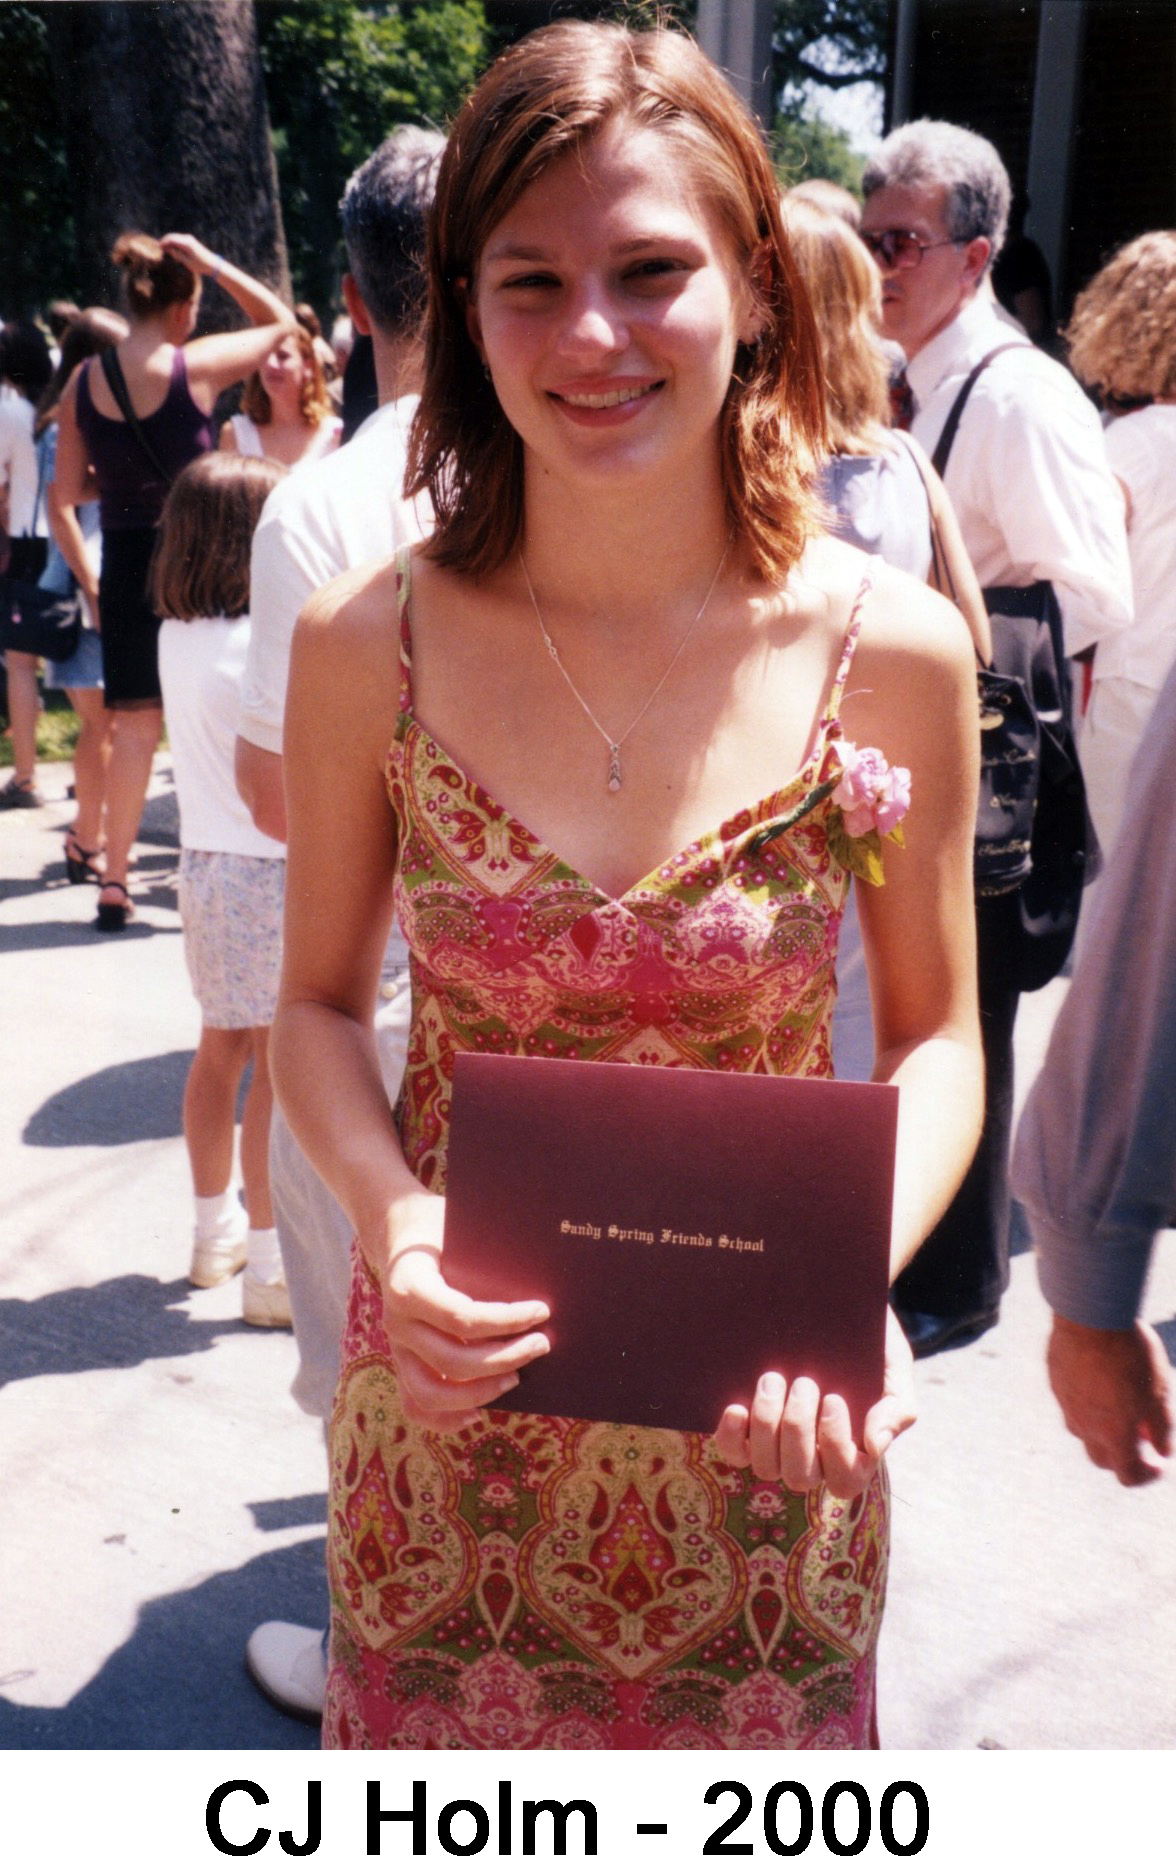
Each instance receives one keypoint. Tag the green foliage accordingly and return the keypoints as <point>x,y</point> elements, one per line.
<point>36,215</point>
<point>833,42</point>
<point>804,146</point>
<point>57,732</point>
<point>339,77</point>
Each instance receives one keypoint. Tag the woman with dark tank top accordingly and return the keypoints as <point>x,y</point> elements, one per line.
<point>172,382</point>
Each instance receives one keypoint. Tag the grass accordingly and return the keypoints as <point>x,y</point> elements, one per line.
<point>57,732</point>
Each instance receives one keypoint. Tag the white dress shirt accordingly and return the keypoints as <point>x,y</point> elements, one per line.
<point>1028,474</point>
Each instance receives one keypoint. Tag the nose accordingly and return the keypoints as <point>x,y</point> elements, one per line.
<point>593,323</point>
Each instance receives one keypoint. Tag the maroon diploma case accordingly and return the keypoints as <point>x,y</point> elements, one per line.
<point>689,1230</point>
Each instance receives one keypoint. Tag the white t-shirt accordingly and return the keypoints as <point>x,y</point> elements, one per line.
<point>201,666</point>
<point>18,465</point>
<point>1141,448</point>
<point>335,514</point>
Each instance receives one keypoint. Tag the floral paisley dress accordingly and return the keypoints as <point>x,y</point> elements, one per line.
<point>544,1582</point>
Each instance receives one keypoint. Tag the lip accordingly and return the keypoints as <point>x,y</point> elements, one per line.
<point>583,402</point>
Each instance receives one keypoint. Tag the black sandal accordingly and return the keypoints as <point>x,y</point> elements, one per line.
<point>79,863</point>
<point>114,917</point>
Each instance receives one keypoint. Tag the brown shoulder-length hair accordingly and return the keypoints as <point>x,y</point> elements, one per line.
<point>315,403</point>
<point>545,98</point>
<point>1122,334</point>
<point>846,293</point>
<point>201,564</point>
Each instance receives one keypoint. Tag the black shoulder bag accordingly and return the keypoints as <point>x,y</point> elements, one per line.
<point>1033,832</point>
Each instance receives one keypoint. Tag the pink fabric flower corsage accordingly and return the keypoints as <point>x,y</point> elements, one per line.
<point>869,800</point>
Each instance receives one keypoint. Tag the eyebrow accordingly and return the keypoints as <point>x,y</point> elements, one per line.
<point>519,251</point>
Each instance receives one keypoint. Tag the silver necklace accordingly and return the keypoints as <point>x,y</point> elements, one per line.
<point>614,743</point>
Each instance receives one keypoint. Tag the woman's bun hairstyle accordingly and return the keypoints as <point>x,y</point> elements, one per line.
<point>153,279</point>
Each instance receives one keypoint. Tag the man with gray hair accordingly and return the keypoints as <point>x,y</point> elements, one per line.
<point>332,515</point>
<point>1036,501</point>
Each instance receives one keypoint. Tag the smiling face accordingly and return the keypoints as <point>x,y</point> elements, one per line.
<point>608,306</point>
<point>919,302</point>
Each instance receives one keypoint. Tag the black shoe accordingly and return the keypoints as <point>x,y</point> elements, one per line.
<point>928,1333</point>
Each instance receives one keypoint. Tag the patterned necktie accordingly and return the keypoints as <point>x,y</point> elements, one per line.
<point>902,401</point>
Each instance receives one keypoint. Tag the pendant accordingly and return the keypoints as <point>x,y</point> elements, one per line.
<point>614,767</point>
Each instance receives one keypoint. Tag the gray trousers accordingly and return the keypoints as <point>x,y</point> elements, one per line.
<point>313,1230</point>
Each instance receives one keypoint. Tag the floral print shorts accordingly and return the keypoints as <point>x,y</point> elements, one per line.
<point>231,909</point>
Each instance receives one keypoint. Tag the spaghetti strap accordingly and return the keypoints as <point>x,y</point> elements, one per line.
<point>403,565</point>
<point>848,647</point>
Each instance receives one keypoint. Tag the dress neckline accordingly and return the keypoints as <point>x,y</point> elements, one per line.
<point>744,823</point>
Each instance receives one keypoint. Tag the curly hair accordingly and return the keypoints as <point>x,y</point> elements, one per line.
<point>846,291</point>
<point>315,399</point>
<point>544,99</point>
<point>1122,332</point>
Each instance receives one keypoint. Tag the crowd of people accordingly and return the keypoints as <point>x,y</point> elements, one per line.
<point>611,694</point>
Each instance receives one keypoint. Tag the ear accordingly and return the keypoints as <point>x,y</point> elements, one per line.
<point>357,312</point>
<point>472,319</point>
<point>976,260</point>
<point>755,291</point>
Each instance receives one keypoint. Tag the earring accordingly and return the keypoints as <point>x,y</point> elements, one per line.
<point>486,372</point>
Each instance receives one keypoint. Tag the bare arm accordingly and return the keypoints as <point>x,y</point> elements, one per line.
<point>914,698</point>
<point>223,358</point>
<point>67,532</point>
<point>226,439</point>
<point>258,774</point>
<point>453,1356</point>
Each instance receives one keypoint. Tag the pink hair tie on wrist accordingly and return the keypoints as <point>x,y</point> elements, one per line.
<point>214,276</point>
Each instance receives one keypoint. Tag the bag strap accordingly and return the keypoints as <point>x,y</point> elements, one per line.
<point>112,371</point>
<point>947,435</point>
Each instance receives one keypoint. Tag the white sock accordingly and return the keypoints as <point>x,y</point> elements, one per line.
<point>219,1217</point>
<point>264,1258</point>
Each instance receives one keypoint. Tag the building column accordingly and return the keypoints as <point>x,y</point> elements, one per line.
<point>1058,74</point>
<point>737,35</point>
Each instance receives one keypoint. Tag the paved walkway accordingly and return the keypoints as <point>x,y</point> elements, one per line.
<point>163,1494</point>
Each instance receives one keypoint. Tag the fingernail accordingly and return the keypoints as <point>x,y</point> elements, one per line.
<point>512,1380</point>
<point>773,1384</point>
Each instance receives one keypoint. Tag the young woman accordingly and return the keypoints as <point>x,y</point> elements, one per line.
<point>626,640</point>
<point>172,381</point>
<point>286,412</point>
<point>231,876</point>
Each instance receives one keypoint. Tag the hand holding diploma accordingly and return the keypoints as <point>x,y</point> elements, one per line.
<point>795,1434</point>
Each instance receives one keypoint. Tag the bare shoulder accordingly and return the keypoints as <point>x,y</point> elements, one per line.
<point>346,643</point>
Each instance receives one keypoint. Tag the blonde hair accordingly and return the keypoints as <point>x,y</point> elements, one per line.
<point>200,569</point>
<point>314,398</point>
<point>846,292</point>
<point>1122,333</point>
<point>153,279</point>
<point>546,98</point>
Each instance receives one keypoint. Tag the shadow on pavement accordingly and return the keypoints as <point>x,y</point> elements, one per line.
<point>140,1100</point>
<point>179,1682</point>
<point>58,937</point>
<point>116,1324</point>
<point>278,1514</point>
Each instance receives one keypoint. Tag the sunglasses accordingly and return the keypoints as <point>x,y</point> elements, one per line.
<point>898,247</point>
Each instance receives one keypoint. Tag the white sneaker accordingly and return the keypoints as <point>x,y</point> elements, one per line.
<point>215,1260</point>
<point>289,1665</point>
<point>266,1305</point>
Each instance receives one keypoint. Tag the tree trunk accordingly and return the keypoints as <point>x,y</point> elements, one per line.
<point>167,130</point>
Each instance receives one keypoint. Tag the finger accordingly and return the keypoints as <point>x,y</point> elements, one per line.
<point>764,1426</point>
<point>416,1283</point>
<point>846,1468</point>
<point>731,1437</point>
<point>423,1391</point>
<point>800,1465</point>
<point>466,1361</point>
<point>886,1419</point>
